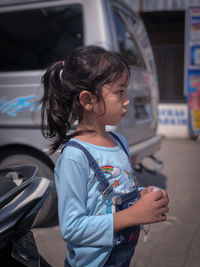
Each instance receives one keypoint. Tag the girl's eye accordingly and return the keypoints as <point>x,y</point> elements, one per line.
<point>120,92</point>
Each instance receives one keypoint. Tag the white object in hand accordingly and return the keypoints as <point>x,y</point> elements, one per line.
<point>155,189</point>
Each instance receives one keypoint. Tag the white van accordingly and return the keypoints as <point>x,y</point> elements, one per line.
<point>35,33</point>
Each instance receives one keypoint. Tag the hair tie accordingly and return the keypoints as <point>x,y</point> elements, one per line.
<point>60,74</point>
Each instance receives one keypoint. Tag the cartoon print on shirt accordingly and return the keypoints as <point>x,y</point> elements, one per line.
<point>111,170</point>
<point>114,172</point>
<point>130,178</point>
<point>118,176</point>
<point>110,207</point>
<point>116,183</point>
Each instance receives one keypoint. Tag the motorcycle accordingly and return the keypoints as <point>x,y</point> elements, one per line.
<point>22,194</point>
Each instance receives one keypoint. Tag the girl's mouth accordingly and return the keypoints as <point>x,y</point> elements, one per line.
<point>124,114</point>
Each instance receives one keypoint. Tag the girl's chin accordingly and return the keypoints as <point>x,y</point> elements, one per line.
<point>114,123</point>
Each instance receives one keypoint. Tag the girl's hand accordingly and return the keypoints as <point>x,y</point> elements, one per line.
<point>151,208</point>
<point>152,188</point>
<point>143,191</point>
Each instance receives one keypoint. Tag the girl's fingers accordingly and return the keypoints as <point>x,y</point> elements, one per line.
<point>162,218</point>
<point>164,193</point>
<point>150,188</point>
<point>157,195</point>
<point>162,211</point>
<point>155,189</point>
<point>162,202</point>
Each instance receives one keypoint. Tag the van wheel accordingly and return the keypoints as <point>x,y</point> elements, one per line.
<point>18,157</point>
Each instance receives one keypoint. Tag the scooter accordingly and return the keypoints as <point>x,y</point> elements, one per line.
<point>22,194</point>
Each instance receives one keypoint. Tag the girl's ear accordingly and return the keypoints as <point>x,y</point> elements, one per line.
<point>87,100</point>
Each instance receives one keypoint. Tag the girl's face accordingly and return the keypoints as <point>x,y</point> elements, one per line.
<point>113,107</point>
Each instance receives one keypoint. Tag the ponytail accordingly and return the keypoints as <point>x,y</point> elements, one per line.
<point>58,100</point>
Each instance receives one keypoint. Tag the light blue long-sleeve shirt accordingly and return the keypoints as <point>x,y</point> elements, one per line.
<point>85,216</point>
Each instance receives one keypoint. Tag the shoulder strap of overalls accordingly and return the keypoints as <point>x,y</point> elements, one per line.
<point>120,142</point>
<point>105,188</point>
<point>122,146</point>
<point>125,150</point>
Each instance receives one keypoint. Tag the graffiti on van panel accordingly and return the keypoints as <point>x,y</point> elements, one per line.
<point>14,106</point>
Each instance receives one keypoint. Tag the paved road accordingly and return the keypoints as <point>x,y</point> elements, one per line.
<point>174,243</point>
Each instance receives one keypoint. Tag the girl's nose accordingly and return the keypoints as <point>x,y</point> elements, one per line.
<point>126,102</point>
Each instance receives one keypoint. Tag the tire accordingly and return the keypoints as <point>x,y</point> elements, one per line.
<point>23,157</point>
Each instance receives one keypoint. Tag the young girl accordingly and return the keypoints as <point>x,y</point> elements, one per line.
<point>89,88</point>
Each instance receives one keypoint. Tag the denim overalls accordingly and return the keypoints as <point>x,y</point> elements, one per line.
<point>125,240</point>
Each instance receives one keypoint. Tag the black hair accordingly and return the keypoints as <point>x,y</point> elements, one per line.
<point>85,68</point>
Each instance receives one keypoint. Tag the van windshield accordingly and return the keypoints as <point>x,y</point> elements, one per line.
<point>32,39</point>
<point>127,44</point>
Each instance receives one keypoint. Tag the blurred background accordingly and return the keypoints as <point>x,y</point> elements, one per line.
<point>163,120</point>
<point>173,29</point>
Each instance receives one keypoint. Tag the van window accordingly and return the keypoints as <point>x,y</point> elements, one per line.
<point>127,45</point>
<point>32,39</point>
